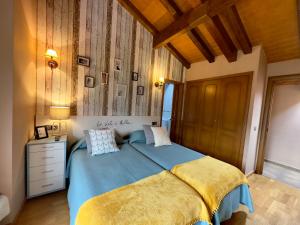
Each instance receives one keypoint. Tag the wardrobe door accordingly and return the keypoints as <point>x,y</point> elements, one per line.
<point>232,117</point>
<point>191,115</point>
<point>208,116</point>
<point>175,133</point>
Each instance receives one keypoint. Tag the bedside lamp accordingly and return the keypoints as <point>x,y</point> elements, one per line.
<point>59,113</point>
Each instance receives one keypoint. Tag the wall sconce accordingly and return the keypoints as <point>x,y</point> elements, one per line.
<point>52,55</point>
<point>160,82</point>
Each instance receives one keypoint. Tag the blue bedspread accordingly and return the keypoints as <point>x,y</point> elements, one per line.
<point>171,155</point>
<point>93,175</point>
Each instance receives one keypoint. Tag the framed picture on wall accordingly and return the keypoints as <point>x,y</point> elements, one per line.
<point>140,90</point>
<point>41,132</point>
<point>83,61</point>
<point>89,81</point>
<point>135,76</point>
<point>118,66</point>
<point>104,78</point>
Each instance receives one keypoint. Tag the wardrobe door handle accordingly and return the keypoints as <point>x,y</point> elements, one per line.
<point>46,185</point>
<point>48,171</point>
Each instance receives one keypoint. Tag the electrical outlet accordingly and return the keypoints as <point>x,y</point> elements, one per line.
<point>154,123</point>
<point>49,127</point>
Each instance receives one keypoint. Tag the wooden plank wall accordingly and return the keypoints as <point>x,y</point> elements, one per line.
<point>104,31</point>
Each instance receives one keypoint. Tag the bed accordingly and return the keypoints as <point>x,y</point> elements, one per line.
<point>94,175</point>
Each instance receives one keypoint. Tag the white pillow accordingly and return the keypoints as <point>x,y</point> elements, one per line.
<point>103,141</point>
<point>161,136</point>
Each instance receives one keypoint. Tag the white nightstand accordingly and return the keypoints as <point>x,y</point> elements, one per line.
<point>46,163</point>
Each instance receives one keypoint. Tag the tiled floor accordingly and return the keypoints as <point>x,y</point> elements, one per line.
<point>275,204</point>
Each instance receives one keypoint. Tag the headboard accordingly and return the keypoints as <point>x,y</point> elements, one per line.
<point>123,124</point>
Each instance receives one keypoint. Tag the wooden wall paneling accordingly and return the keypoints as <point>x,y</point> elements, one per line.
<point>88,30</point>
<point>81,51</point>
<point>113,36</point>
<point>123,53</point>
<point>145,52</point>
<point>93,54</point>
<point>57,31</point>
<point>73,49</point>
<point>49,43</point>
<point>101,59</point>
<point>135,66</point>
<point>64,53</point>
<point>69,54</point>
<point>41,61</point>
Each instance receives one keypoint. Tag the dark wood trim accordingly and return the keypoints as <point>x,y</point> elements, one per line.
<point>172,7</point>
<point>220,77</point>
<point>129,6</point>
<point>239,31</point>
<point>184,23</point>
<point>272,83</point>
<point>178,55</point>
<point>217,30</point>
<point>298,14</point>
<point>201,44</point>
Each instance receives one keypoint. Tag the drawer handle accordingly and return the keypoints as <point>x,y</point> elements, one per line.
<point>46,185</point>
<point>48,171</point>
<point>48,157</point>
<point>48,146</point>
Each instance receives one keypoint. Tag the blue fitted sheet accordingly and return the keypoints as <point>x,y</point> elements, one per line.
<point>94,175</point>
<point>170,155</point>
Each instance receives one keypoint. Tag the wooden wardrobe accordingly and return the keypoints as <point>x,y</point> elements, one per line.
<point>215,116</point>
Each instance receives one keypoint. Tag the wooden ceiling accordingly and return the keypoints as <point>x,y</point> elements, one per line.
<point>270,23</point>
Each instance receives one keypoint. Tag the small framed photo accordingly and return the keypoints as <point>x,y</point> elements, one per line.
<point>83,61</point>
<point>118,66</point>
<point>135,76</point>
<point>41,132</point>
<point>89,81</point>
<point>140,90</point>
<point>104,78</point>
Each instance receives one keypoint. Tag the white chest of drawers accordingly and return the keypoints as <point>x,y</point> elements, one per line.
<point>46,163</point>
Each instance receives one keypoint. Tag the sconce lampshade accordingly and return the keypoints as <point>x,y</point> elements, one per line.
<point>59,112</point>
<point>51,54</point>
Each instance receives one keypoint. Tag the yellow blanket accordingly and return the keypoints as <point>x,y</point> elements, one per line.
<point>161,199</point>
<point>213,179</point>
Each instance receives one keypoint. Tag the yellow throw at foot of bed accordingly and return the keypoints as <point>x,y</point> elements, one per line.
<point>161,199</point>
<point>212,178</point>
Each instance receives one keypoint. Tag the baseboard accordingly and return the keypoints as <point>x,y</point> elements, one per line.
<point>250,173</point>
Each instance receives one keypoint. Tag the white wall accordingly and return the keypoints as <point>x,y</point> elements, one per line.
<point>284,68</point>
<point>17,95</point>
<point>6,89</point>
<point>283,137</point>
<point>256,62</point>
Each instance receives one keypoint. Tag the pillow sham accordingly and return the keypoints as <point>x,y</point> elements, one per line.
<point>88,141</point>
<point>161,136</point>
<point>102,141</point>
<point>137,136</point>
<point>148,134</point>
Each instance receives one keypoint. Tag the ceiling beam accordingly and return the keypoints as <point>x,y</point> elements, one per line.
<point>172,7</point>
<point>298,14</point>
<point>128,5</point>
<point>216,28</point>
<point>198,40</point>
<point>178,55</point>
<point>194,33</point>
<point>191,19</point>
<point>184,23</point>
<point>239,31</point>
